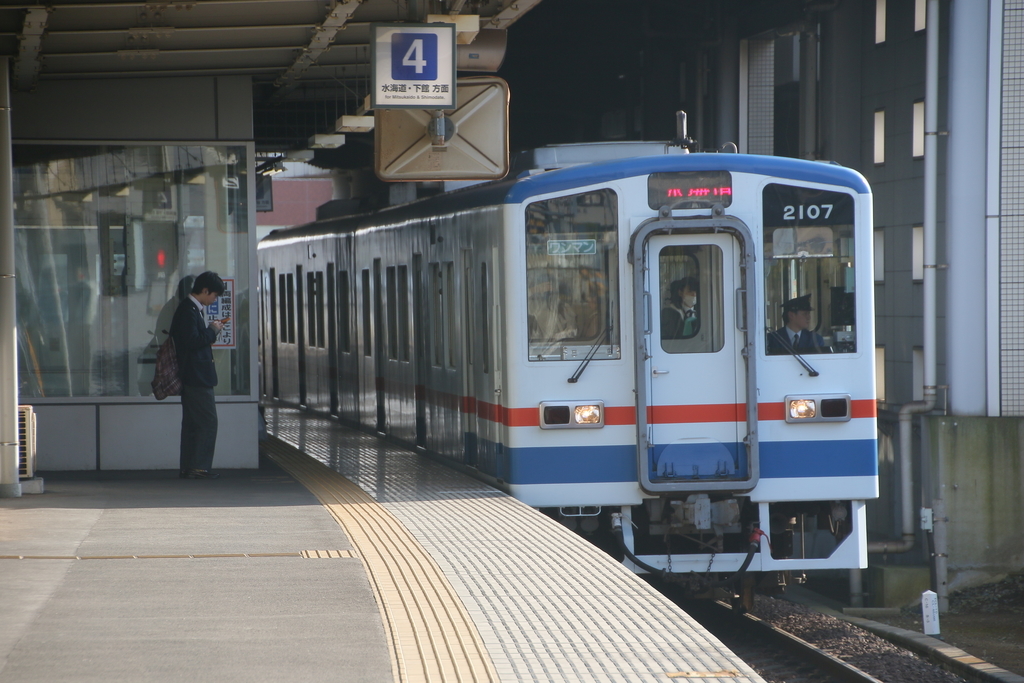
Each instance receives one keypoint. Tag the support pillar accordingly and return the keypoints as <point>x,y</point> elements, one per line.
<point>10,484</point>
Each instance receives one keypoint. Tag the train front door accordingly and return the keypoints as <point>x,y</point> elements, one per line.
<point>694,381</point>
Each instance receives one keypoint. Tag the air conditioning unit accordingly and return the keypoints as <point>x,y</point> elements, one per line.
<point>26,442</point>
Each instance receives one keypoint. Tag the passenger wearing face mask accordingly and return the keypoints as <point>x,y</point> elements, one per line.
<point>679,317</point>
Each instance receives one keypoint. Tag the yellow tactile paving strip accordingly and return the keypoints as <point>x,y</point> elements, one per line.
<point>432,638</point>
<point>550,606</point>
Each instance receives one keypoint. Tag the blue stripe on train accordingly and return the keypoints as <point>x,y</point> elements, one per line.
<point>786,459</point>
<point>779,460</point>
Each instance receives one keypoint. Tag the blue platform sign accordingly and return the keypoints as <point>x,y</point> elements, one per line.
<point>414,56</point>
<point>413,66</point>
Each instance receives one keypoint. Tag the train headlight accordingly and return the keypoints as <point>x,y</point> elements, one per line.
<point>571,414</point>
<point>822,408</point>
<point>588,414</point>
<point>802,409</point>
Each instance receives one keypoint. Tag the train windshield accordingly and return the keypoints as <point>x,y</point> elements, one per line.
<point>809,271</point>
<point>572,276</point>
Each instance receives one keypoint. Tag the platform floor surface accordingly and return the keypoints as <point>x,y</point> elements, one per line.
<point>343,558</point>
<point>548,605</point>
<point>253,609</point>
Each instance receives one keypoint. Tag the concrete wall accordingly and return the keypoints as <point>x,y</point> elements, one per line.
<point>983,478</point>
<point>74,434</point>
<point>140,436</point>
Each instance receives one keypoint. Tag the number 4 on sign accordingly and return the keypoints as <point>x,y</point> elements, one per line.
<point>414,56</point>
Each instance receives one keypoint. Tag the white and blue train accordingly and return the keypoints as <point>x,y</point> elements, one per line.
<point>678,347</point>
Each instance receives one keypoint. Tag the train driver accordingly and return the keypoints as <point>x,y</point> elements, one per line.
<point>795,334</point>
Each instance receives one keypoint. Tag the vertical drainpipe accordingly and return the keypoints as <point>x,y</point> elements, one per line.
<point>931,162</point>
<point>10,484</point>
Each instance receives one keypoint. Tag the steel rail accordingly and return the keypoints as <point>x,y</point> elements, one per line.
<point>835,668</point>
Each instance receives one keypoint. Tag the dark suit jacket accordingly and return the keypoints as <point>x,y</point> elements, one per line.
<point>193,342</point>
<point>809,342</point>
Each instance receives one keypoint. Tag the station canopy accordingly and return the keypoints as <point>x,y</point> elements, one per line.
<point>309,60</point>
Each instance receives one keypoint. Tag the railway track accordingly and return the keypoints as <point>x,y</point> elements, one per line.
<point>776,655</point>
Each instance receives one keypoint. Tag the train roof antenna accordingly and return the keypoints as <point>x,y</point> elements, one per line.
<point>682,139</point>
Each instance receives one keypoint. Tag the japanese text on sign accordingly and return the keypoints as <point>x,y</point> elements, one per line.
<point>413,66</point>
<point>224,307</point>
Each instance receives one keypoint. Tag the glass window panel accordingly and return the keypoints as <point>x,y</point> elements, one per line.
<point>311,306</point>
<point>879,253</point>
<point>484,319</point>
<point>109,239</point>
<point>438,312</point>
<point>880,373</point>
<point>918,144</point>
<point>282,290</point>
<point>809,270</point>
<point>880,21</point>
<point>344,341</point>
<point>917,253</point>
<point>319,290</point>
<point>392,311</point>
<point>403,312</point>
<point>691,292</point>
<point>367,348</point>
<point>290,290</point>
<point>451,334</point>
<point>300,298</point>
<point>879,137</point>
<point>572,276</point>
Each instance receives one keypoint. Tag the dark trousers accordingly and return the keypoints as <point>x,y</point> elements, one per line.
<point>198,427</point>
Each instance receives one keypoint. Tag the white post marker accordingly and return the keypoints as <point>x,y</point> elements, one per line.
<point>930,613</point>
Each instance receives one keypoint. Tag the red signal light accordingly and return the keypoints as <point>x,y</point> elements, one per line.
<point>161,258</point>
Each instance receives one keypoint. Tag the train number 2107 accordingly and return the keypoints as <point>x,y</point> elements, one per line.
<point>801,211</point>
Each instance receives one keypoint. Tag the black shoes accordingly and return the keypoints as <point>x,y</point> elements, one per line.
<point>198,474</point>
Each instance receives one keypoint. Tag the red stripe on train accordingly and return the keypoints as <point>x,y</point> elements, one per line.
<point>626,415</point>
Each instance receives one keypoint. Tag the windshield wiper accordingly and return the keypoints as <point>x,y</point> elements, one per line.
<point>788,346</point>
<point>590,356</point>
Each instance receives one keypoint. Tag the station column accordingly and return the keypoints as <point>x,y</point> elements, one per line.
<point>10,487</point>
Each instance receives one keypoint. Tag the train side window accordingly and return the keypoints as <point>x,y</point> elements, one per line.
<point>272,316</point>
<point>315,309</point>
<point>311,308</point>
<point>572,276</point>
<point>330,308</point>
<point>485,320</point>
<point>282,307</point>
<point>392,311</point>
<point>367,347</point>
<point>321,340</point>
<point>344,304</point>
<point>403,312</point>
<point>437,313</point>
<point>290,301</point>
<point>449,296</point>
<point>468,328</point>
<point>691,319</point>
<point>809,272</point>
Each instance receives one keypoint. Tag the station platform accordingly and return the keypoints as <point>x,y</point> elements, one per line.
<point>343,558</point>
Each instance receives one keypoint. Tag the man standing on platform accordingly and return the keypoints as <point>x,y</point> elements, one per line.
<point>193,341</point>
